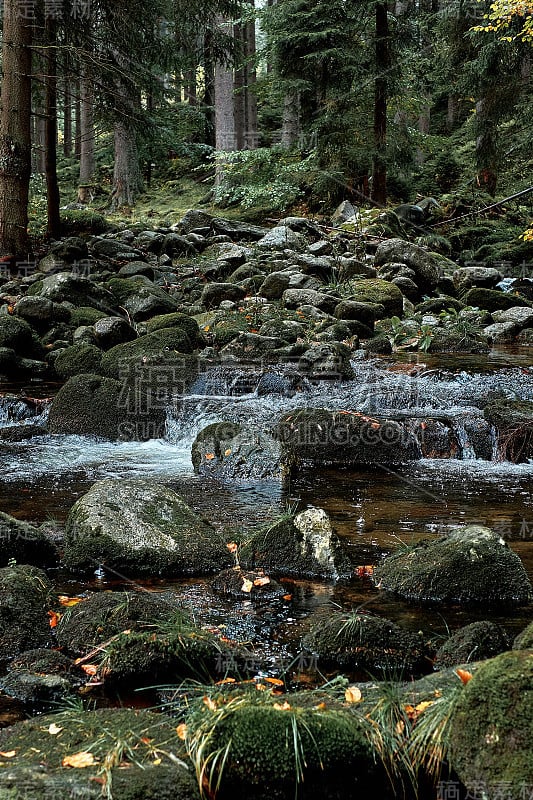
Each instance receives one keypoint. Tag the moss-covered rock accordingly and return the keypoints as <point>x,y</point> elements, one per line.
<point>427,266</point>
<point>247,585</point>
<point>16,334</point>
<point>24,604</point>
<point>304,545</point>
<point>140,527</point>
<point>366,643</point>
<point>105,614</point>
<point>91,405</point>
<point>470,566</point>
<point>492,727</point>
<point>183,321</point>
<point>380,292</point>
<point>85,315</point>
<point>327,361</point>
<point>455,341</point>
<point>166,344</point>
<point>115,738</point>
<point>24,543</point>
<point>524,640</point>
<point>75,289</point>
<point>474,642</point>
<point>513,420</point>
<point>42,678</point>
<point>493,300</point>
<point>77,359</point>
<point>315,437</point>
<point>227,450</point>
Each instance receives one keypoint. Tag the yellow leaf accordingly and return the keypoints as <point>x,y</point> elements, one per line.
<point>67,601</point>
<point>282,706</point>
<point>400,727</point>
<point>89,669</point>
<point>232,547</point>
<point>156,762</point>
<point>261,581</point>
<point>181,730</point>
<point>421,707</point>
<point>247,585</point>
<point>79,760</point>
<point>227,452</point>
<point>8,753</point>
<point>209,456</point>
<point>53,729</point>
<point>353,694</point>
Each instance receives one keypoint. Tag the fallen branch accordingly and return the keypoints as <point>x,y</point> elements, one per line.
<point>483,210</point>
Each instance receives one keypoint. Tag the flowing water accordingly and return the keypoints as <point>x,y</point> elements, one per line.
<point>374,509</point>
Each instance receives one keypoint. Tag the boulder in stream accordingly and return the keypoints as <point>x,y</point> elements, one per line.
<point>24,543</point>
<point>24,604</point>
<point>474,642</point>
<point>232,451</point>
<point>513,421</point>
<point>470,566</point>
<point>140,527</point>
<point>42,678</point>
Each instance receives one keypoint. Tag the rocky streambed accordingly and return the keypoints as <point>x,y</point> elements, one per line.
<point>274,486</point>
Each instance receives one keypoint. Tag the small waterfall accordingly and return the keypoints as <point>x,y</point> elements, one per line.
<point>15,409</point>
<point>467,451</point>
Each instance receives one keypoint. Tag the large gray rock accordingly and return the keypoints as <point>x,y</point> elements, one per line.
<point>471,566</point>
<point>80,291</point>
<point>427,266</point>
<point>110,331</point>
<point>228,450</point>
<point>467,277</point>
<point>215,293</point>
<point>294,298</point>
<point>305,546</point>
<point>328,361</point>
<point>282,238</point>
<point>522,317</point>
<point>140,527</point>
<point>24,604</point>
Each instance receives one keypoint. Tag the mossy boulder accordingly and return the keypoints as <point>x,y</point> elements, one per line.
<point>455,341</point>
<point>77,359</point>
<point>319,437</point>
<point>176,320</point>
<point>524,640</point>
<point>304,545</point>
<point>24,604</point>
<point>24,543</point>
<point>91,405</point>
<point>16,334</point>
<point>492,727</point>
<point>214,293</point>
<point>166,345</point>
<point>474,642</point>
<point>380,292</point>
<point>513,420</point>
<point>105,614</point>
<point>85,315</point>
<point>247,585</point>
<point>140,527</point>
<point>427,266</point>
<point>273,747</point>
<point>470,566</point>
<point>123,744</point>
<point>228,450</point>
<point>327,361</point>
<point>110,331</point>
<point>75,289</point>
<point>42,678</point>
<point>493,300</point>
<point>367,644</point>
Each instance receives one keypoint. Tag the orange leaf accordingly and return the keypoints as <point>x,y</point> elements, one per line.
<point>209,456</point>
<point>260,687</point>
<point>232,547</point>
<point>287,596</point>
<point>227,452</point>
<point>225,680</point>
<point>54,618</point>
<point>67,601</point>
<point>8,753</point>
<point>89,669</point>
<point>464,675</point>
<point>320,707</point>
<point>282,706</point>
<point>365,571</point>
<point>146,740</point>
<point>79,760</point>
<point>353,694</point>
<point>274,681</point>
<point>181,730</point>
<point>261,581</point>
<point>211,705</point>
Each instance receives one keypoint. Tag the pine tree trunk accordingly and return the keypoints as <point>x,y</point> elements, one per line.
<point>127,180</point>
<point>252,133</point>
<point>52,187</point>
<point>67,109</point>
<point>86,137</point>
<point>424,122</point>
<point>77,120</point>
<point>15,132</point>
<point>379,162</point>
<point>239,92</point>
<point>290,128</point>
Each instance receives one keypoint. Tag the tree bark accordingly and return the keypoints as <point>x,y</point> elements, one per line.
<point>379,162</point>
<point>15,132</point>
<point>252,133</point>
<point>67,109</point>
<point>290,127</point>
<point>77,120</point>
<point>52,187</point>
<point>86,136</point>
<point>127,180</point>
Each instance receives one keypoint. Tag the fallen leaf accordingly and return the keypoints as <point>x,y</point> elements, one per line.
<point>225,680</point>
<point>282,706</point>
<point>421,707</point>
<point>260,687</point>
<point>320,707</point>
<point>79,760</point>
<point>54,618</point>
<point>247,585</point>
<point>287,596</point>
<point>53,729</point>
<point>366,571</point>
<point>274,681</point>
<point>209,456</point>
<point>353,694</point>
<point>232,547</point>
<point>400,727</point>
<point>181,730</point>
<point>89,669</point>
<point>156,762</point>
<point>464,675</point>
<point>8,753</point>
<point>146,740</point>
<point>227,452</point>
<point>211,705</point>
<point>67,601</point>
<point>261,581</point>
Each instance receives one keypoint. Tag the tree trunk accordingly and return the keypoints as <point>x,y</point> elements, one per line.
<point>290,128</point>
<point>424,121</point>
<point>486,146</point>
<point>451,112</point>
<point>15,132</point>
<point>127,180</point>
<point>379,161</point>
<point>67,110</point>
<point>52,187</point>
<point>77,120</point>
<point>251,131</point>
<point>239,91</point>
<point>86,137</point>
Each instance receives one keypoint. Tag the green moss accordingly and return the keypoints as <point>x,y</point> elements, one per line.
<point>85,315</point>
<point>376,290</point>
<point>524,640</point>
<point>77,359</point>
<point>167,343</point>
<point>492,300</point>
<point>492,727</point>
<point>186,323</point>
